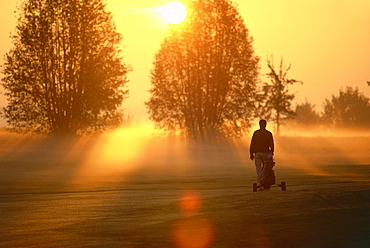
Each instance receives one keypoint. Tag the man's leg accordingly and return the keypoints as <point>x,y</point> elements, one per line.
<point>258,163</point>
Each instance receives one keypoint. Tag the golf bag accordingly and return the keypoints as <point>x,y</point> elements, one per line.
<point>267,174</point>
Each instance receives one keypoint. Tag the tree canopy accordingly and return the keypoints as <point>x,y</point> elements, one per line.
<point>65,73</point>
<point>306,114</point>
<point>205,74</point>
<point>277,99</point>
<point>348,109</point>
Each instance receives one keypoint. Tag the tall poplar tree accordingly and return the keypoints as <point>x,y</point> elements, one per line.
<point>205,74</point>
<point>64,75</point>
<point>278,100</point>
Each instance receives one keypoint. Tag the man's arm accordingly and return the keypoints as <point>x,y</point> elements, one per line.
<point>252,147</point>
<point>272,145</point>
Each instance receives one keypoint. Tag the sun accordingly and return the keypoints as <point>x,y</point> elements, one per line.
<point>173,13</point>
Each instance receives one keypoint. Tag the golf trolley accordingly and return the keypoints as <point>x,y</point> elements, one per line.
<point>268,177</point>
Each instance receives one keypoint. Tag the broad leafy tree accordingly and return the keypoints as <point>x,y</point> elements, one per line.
<point>205,74</point>
<point>278,100</point>
<point>65,74</point>
<point>348,109</point>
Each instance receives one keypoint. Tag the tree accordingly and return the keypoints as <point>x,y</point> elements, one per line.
<point>65,74</point>
<point>306,114</point>
<point>278,101</point>
<point>350,109</point>
<point>205,73</point>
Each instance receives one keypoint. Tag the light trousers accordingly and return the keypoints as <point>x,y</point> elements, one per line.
<point>259,161</point>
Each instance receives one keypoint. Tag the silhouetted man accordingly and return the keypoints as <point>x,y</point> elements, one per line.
<point>261,148</point>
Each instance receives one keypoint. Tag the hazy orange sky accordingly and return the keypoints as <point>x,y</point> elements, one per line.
<point>327,42</point>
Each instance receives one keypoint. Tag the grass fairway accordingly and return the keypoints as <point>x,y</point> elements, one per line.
<point>50,197</point>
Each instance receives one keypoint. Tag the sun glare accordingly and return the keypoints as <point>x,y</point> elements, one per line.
<point>173,13</point>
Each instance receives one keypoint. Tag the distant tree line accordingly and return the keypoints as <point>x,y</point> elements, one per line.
<point>349,109</point>
<point>205,81</point>
<point>65,75</point>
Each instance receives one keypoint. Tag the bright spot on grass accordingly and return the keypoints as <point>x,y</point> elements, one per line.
<point>119,151</point>
<point>194,230</point>
<point>191,202</point>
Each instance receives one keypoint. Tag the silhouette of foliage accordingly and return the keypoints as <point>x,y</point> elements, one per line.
<point>65,74</point>
<point>205,74</point>
<point>349,109</point>
<point>306,114</point>
<point>277,100</point>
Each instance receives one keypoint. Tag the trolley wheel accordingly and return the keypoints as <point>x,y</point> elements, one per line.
<point>283,186</point>
<point>255,187</point>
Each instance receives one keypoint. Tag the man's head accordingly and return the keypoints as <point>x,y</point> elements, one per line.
<point>263,124</point>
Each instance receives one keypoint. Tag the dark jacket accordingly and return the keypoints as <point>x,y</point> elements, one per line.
<point>262,141</point>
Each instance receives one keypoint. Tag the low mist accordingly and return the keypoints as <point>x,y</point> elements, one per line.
<point>140,150</point>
